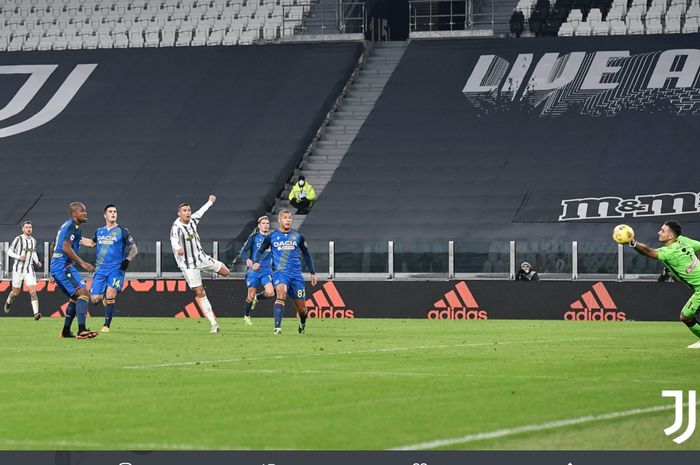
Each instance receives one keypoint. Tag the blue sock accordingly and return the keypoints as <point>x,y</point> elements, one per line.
<point>279,311</point>
<point>81,309</point>
<point>247,307</point>
<point>109,310</point>
<point>70,314</point>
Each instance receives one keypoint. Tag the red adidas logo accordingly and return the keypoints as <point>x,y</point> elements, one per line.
<point>595,305</point>
<point>192,310</point>
<point>460,305</point>
<point>327,303</point>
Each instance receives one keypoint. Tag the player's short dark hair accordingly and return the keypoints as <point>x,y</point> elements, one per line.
<point>182,205</point>
<point>111,205</point>
<point>264,217</point>
<point>74,206</point>
<point>26,222</point>
<point>674,226</point>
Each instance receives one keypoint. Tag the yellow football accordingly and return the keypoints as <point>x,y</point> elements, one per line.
<point>623,234</point>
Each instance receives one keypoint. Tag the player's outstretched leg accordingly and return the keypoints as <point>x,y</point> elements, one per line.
<point>13,293</point>
<point>689,316</point>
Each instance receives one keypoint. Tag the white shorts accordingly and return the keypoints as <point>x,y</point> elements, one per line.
<point>193,276</point>
<point>29,278</point>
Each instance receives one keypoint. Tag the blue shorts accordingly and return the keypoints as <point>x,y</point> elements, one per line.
<point>296,288</point>
<point>104,279</point>
<point>68,280</point>
<point>257,278</point>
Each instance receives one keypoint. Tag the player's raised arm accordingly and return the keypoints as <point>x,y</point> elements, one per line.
<point>257,256</point>
<point>307,258</point>
<point>644,249</point>
<point>200,213</point>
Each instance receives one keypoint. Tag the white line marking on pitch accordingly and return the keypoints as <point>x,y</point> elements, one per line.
<point>355,352</point>
<point>105,446</point>
<point>530,428</point>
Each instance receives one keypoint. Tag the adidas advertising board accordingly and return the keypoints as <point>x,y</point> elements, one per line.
<point>433,300</point>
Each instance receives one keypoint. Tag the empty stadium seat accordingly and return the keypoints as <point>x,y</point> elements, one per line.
<point>653,26</point>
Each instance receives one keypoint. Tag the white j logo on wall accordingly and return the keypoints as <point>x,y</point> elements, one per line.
<point>38,75</point>
<point>678,422</point>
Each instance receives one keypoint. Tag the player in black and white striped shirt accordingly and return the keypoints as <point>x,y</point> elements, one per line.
<point>23,251</point>
<point>190,256</point>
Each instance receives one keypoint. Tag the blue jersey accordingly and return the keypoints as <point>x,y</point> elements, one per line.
<point>70,232</point>
<point>113,245</point>
<point>251,246</point>
<point>287,248</point>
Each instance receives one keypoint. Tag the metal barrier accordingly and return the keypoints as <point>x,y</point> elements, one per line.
<point>323,19</point>
<point>437,18</point>
<point>429,260</point>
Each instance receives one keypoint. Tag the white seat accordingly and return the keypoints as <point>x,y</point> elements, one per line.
<point>167,37</point>
<point>566,30</point>
<point>675,12</point>
<point>90,41</point>
<point>653,26</point>
<point>16,43</point>
<point>46,42</point>
<point>673,26</point>
<point>184,37</point>
<point>105,40</point>
<point>691,25</point>
<point>583,29</point>
<point>60,43</point>
<point>594,15</point>
<point>634,14</point>
<point>200,37</point>
<point>615,12</point>
<point>601,28</point>
<point>121,39</point>
<point>231,37</point>
<point>654,13</point>
<point>216,37</point>
<point>618,27</point>
<point>152,38</point>
<point>635,26</point>
<point>135,38</point>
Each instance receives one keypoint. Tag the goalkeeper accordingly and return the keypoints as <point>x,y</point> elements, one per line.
<point>679,256</point>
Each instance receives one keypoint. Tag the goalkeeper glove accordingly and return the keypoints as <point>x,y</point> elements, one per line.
<point>124,265</point>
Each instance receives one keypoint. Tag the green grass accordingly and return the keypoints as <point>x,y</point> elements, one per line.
<point>155,384</point>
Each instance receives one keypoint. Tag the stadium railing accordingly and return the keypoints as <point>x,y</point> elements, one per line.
<point>409,260</point>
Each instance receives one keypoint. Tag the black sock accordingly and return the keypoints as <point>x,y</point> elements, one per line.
<point>81,328</point>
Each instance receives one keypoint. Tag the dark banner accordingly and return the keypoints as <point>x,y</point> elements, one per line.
<point>524,140</point>
<point>350,458</point>
<point>444,300</point>
<point>148,129</point>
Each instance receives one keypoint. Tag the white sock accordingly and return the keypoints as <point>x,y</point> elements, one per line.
<point>9,299</point>
<point>35,306</point>
<point>206,306</point>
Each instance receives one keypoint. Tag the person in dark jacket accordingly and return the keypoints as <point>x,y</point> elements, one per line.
<point>517,23</point>
<point>526,273</point>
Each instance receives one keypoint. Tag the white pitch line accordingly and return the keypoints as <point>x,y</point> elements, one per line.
<point>352,352</point>
<point>50,443</point>
<point>333,372</point>
<point>535,427</point>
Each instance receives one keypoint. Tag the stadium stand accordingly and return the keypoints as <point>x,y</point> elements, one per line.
<point>611,17</point>
<point>88,24</point>
<point>344,122</point>
<point>437,162</point>
<point>151,128</point>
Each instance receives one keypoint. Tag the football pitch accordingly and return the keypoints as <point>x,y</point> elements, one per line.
<point>372,384</point>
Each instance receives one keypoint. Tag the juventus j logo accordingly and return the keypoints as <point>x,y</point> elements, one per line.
<point>678,422</point>
<point>38,75</point>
